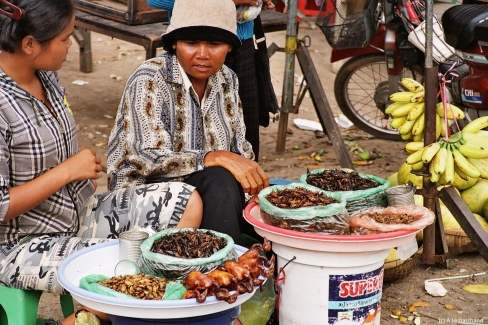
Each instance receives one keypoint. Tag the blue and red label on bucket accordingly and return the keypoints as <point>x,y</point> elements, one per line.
<point>355,299</point>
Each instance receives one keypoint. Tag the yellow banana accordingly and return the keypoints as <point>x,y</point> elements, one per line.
<point>414,146</point>
<point>464,165</point>
<point>475,152</point>
<point>481,165</point>
<point>482,133</point>
<point>396,122</point>
<point>401,96</point>
<point>443,126</point>
<point>418,97</point>
<point>430,151</point>
<point>476,125</point>
<point>412,85</point>
<point>418,137</point>
<point>448,174</point>
<point>419,125</point>
<point>434,177</point>
<point>453,112</point>
<point>407,136</point>
<point>402,110</point>
<point>439,161</point>
<point>416,111</point>
<point>474,140</point>
<point>417,166</point>
<point>415,157</point>
<point>390,108</point>
<point>406,127</point>
<point>437,126</point>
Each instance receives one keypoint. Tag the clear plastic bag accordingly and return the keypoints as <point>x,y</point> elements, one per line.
<point>174,289</point>
<point>360,199</point>
<point>331,219</point>
<point>172,268</point>
<point>423,217</point>
<point>258,309</point>
<point>248,12</point>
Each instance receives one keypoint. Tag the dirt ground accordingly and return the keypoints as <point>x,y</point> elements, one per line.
<point>95,103</point>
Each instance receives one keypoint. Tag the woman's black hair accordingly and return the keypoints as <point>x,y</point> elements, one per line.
<point>43,20</point>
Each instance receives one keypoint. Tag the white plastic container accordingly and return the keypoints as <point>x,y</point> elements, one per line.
<point>328,279</point>
<point>337,288</point>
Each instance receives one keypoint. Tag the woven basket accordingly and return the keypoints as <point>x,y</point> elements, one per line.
<point>456,237</point>
<point>399,269</point>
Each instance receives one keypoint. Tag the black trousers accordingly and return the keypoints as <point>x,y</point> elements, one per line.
<point>243,63</point>
<point>223,203</point>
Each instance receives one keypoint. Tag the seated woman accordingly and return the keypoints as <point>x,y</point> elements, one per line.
<point>180,118</point>
<point>48,208</point>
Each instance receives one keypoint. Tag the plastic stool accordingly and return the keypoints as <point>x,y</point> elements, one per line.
<point>19,307</point>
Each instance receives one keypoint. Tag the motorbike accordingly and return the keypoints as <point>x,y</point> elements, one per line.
<point>382,53</point>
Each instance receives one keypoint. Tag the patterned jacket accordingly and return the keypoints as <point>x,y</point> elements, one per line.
<point>32,141</point>
<point>162,133</point>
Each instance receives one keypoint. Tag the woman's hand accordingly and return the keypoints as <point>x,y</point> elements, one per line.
<point>268,5</point>
<point>247,172</point>
<point>83,165</point>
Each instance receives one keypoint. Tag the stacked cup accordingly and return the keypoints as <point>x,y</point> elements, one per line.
<point>130,245</point>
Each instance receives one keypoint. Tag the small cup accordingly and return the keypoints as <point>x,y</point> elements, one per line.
<point>130,245</point>
<point>400,195</point>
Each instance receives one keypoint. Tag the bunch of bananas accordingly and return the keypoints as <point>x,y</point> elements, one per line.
<point>407,111</point>
<point>463,154</point>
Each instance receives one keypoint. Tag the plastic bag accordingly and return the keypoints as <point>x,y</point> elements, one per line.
<point>174,289</point>
<point>331,219</point>
<point>423,216</point>
<point>258,309</point>
<point>87,318</point>
<point>172,268</point>
<point>360,199</point>
<point>248,12</point>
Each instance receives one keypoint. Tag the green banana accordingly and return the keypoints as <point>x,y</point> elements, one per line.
<point>476,125</point>
<point>470,151</point>
<point>415,157</point>
<point>430,151</point>
<point>419,125</point>
<point>464,165</point>
<point>412,85</point>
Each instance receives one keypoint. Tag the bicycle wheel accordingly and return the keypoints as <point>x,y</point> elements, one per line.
<point>361,91</point>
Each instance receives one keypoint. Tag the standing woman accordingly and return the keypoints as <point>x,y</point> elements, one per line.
<point>46,183</point>
<point>243,64</point>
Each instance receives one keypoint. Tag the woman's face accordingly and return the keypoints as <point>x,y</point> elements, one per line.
<point>52,55</point>
<point>201,59</point>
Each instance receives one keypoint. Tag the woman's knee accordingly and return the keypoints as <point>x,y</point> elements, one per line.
<point>192,216</point>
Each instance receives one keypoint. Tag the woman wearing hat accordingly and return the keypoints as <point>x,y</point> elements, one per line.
<point>180,118</point>
<point>243,64</point>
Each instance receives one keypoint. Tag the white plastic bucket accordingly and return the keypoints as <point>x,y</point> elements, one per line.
<point>333,287</point>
